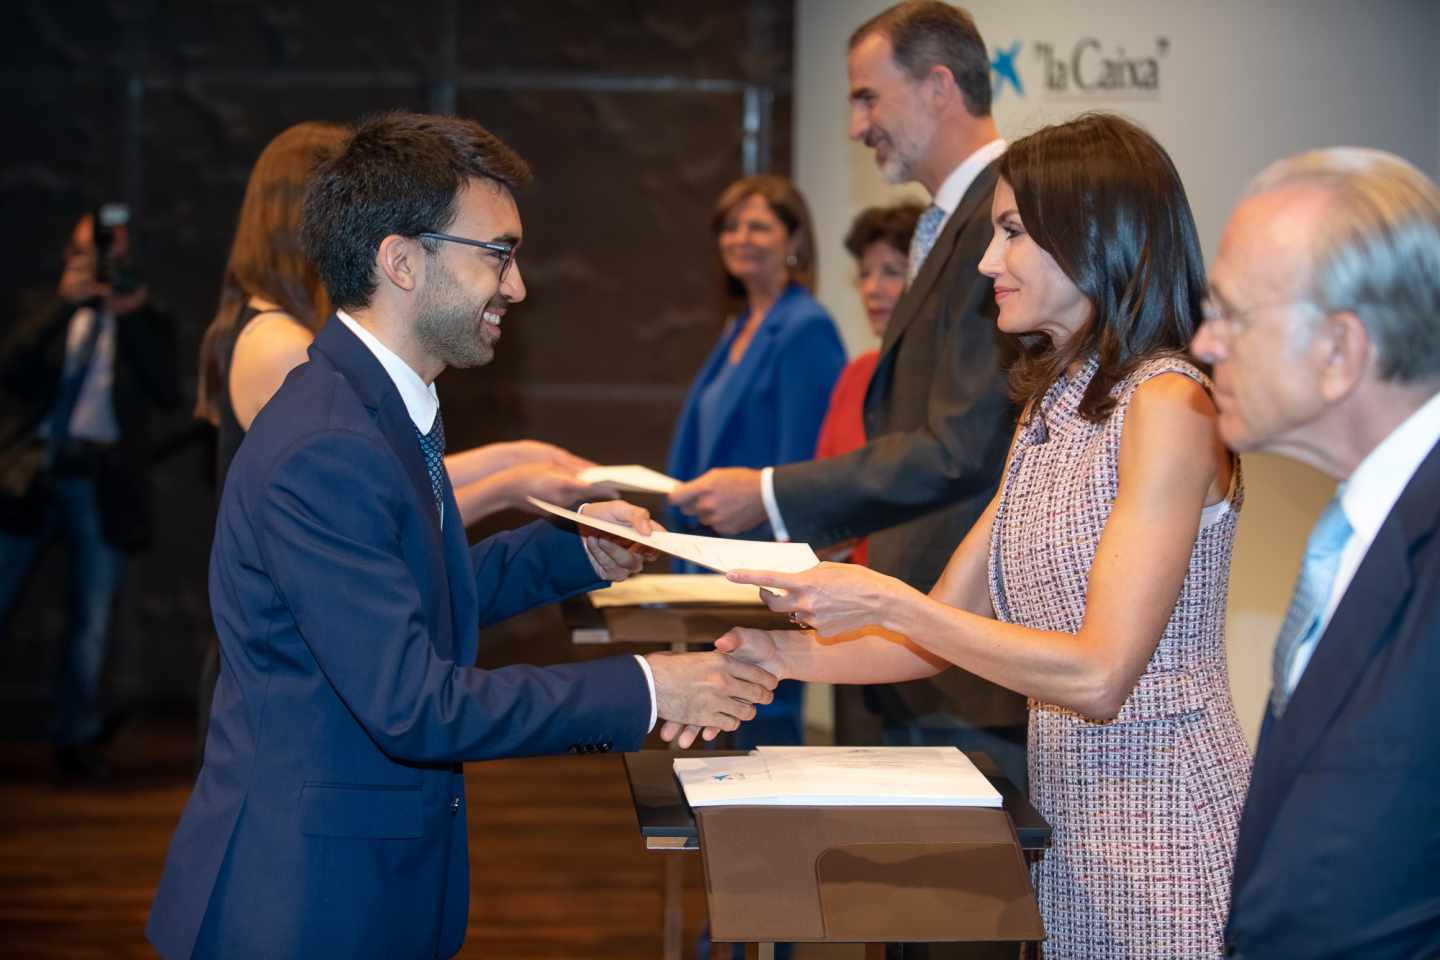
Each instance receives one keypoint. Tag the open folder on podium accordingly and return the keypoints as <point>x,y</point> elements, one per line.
<point>837,776</point>
<point>881,869</point>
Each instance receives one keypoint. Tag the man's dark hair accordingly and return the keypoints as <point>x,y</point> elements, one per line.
<point>927,33</point>
<point>891,225</point>
<point>400,173</point>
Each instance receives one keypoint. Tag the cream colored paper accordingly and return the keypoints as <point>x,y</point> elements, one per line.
<point>837,776</point>
<point>665,588</point>
<point>631,477</point>
<point>713,553</point>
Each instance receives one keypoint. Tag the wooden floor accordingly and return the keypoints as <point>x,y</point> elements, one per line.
<point>557,867</point>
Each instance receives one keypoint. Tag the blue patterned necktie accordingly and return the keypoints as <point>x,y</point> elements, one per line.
<point>432,447</point>
<point>927,228</point>
<point>1312,595</point>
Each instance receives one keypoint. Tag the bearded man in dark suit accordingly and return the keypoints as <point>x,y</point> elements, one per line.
<point>937,413</point>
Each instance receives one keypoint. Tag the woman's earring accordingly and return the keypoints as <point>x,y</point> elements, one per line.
<point>791,260</point>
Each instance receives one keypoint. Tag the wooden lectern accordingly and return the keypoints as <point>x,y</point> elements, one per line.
<point>851,874</point>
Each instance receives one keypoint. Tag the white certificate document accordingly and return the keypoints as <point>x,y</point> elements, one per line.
<point>631,477</point>
<point>713,553</point>
<point>837,776</point>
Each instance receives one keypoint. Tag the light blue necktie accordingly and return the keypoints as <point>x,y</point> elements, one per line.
<point>432,446</point>
<point>1312,594</point>
<point>927,228</point>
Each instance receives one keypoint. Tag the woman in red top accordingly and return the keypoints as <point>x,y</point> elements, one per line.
<point>879,240</point>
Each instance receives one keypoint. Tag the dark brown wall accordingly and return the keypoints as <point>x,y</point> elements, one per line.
<point>632,112</point>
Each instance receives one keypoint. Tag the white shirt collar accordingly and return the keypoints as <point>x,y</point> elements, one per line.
<point>951,191</point>
<point>1371,491</point>
<point>421,400</point>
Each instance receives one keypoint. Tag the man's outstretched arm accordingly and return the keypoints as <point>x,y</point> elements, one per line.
<point>336,563</point>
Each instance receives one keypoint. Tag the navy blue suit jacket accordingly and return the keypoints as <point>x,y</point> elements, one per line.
<point>1339,848</point>
<point>329,816</point>
<point>772,407</point>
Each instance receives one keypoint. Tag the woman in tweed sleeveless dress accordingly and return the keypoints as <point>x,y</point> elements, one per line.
<point>1145,870</point>
<point>1095,582</point>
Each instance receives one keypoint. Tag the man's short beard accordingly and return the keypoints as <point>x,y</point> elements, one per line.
<point>905,154</point>
<point>448,325</point>
<point>897,169</point>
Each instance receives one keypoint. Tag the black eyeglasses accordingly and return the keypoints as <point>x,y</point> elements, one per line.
<point>506,251</point>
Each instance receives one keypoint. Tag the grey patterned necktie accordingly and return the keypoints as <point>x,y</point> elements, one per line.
<point>1312,595</point>
<point>432,447</point>
<point>927,228</point>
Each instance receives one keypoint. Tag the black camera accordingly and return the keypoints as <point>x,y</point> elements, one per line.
<point>114,262</point>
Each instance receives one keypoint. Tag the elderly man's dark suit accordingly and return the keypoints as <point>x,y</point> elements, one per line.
<point>1339,848</point>
<point>939,422</point>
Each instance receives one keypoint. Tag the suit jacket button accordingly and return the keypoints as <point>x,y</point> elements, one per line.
<point>454,806</point>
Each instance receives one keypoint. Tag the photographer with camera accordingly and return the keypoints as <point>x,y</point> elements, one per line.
<point>80,382</point>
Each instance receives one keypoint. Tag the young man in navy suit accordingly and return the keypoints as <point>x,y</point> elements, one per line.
<point>1324,330</point>
<point>329,816</point>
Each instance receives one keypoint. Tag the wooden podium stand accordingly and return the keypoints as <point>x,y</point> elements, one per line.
<point>851,874</point>
<point>874,875</point>
<point>676,627</point>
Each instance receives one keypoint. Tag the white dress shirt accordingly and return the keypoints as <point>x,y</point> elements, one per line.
<point>952,190</point>
<point>947,198</point>
<point>1367,498</point>
<point>93,417</point>
<point>422,402</point>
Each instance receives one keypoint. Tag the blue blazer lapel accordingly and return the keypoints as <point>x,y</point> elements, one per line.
<point>1363,623</point>
<point>377,391</point>
<point>756,358</point>
<point>683,459</point>
<point>464,616</point>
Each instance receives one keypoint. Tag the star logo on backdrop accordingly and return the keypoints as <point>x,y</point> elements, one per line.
<point>1003,66</point>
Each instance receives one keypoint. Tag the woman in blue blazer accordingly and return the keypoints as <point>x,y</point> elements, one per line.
<point>763,391</point>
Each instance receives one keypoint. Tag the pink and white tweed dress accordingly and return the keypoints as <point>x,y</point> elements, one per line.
<point>1144,808</point>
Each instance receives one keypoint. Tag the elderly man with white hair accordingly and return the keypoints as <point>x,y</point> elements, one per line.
<point>1324,330</point>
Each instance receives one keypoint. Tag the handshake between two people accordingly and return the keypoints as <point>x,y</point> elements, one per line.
<point>741,653</point>
<point>827,601</point>
<point>701,694</point>
<point>693,691</point>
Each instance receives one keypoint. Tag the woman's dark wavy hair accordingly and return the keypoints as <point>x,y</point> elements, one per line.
<point>1102,197</point>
